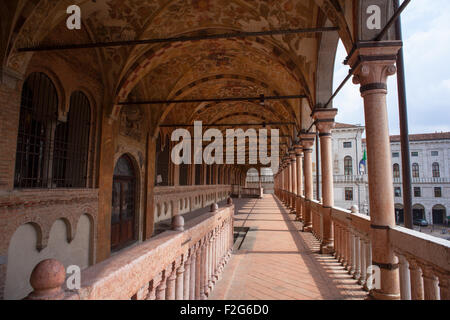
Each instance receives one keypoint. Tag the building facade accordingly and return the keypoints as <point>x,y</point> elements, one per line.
<point>430,165</point>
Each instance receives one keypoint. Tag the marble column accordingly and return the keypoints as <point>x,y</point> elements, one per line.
<point>308,142</point>
<point>325,123</point>
<point>299,191</point>
<point>372,63</point>
<point>293,178</point>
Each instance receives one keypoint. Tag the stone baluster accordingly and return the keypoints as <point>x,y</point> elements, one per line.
<point>368,285</point>
<point>161,289</point>
<point>405,279</point>
<point>199,272</point>
<point>151,290</point>
<point>187,277</point>
<point>179,282</point>
<point>444,285</point>
<point>430,284</point>
<point>193,276</point>
<point>363,257</point>
<point>416,280</point>
<point>357,272</point>
<point>170,289</point>
<point>350,251</point>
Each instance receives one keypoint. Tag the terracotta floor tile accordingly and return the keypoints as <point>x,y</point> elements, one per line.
<point>277,261</point>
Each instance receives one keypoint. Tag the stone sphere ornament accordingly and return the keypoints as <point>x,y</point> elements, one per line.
<point>214,208</point>
<point>47,280</point>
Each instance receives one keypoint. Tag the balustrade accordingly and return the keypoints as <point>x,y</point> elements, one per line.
<point>172,265</point>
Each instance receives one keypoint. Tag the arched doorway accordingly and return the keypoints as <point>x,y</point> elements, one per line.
<point>123,212</point>
<point>439,215</point>
<point>418,212</point>
<point>399,214</point>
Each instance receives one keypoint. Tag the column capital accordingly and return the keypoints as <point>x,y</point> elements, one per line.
<point>308,140</point>
<point>292,154</point>
<point>324,118</point>
<point>373,62</point>
<point>298,150</point>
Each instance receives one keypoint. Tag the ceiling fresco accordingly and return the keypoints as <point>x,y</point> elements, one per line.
<point>270,65</point>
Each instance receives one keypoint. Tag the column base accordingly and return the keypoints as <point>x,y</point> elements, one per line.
<point>307,228</point>
<point>377,295</point>
<point>326,249</point>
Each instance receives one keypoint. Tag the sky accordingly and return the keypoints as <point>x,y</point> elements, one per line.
<point>426,37</point>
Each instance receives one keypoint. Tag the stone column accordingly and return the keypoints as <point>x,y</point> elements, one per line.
<point>307,142</point>
<point>293,156</point>
<point>298,155</point>
<point>372,63</point>
<point>325,123</point>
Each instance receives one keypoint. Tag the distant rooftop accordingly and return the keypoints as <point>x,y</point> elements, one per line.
<point>340,125</point>
<point>422,137</point>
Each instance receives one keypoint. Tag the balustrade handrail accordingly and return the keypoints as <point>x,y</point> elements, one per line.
<point>424,248</point>
<point>123,275</point>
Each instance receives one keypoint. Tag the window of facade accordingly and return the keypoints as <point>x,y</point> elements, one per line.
<point>414,154</point>
<point>348,194</point>
<point>434,153</point>
<point>396,170</point>
<point>415,170</point>
<point>348,166</point>
<point>395,155</point>
<point>436,170</point>
<point>417,192</point>
<point>398,192</point>
<point>347,145</point>
<point>438,192</point>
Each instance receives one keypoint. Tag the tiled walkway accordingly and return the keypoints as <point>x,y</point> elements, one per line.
<point>277,261</point>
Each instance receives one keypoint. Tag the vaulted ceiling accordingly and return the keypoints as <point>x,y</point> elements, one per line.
<point>269,65</point>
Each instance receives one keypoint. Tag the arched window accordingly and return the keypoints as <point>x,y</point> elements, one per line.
<point>436,170</point>
<point>123,211</point>
<point>348,166</point>
<point>396,170</point>
<point>415,170</point>
<point>37,125</point>
<point>70,158</point>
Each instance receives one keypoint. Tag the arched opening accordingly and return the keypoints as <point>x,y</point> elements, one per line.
<point>252,178</point>
<point>37,125</point>
<point>348,166</point>
<point>439,215</point>
<point>123,212</point>
<point>399,214</point>
<point>418,212</point>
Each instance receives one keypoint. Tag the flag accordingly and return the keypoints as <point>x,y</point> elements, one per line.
<point>363,164</point>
